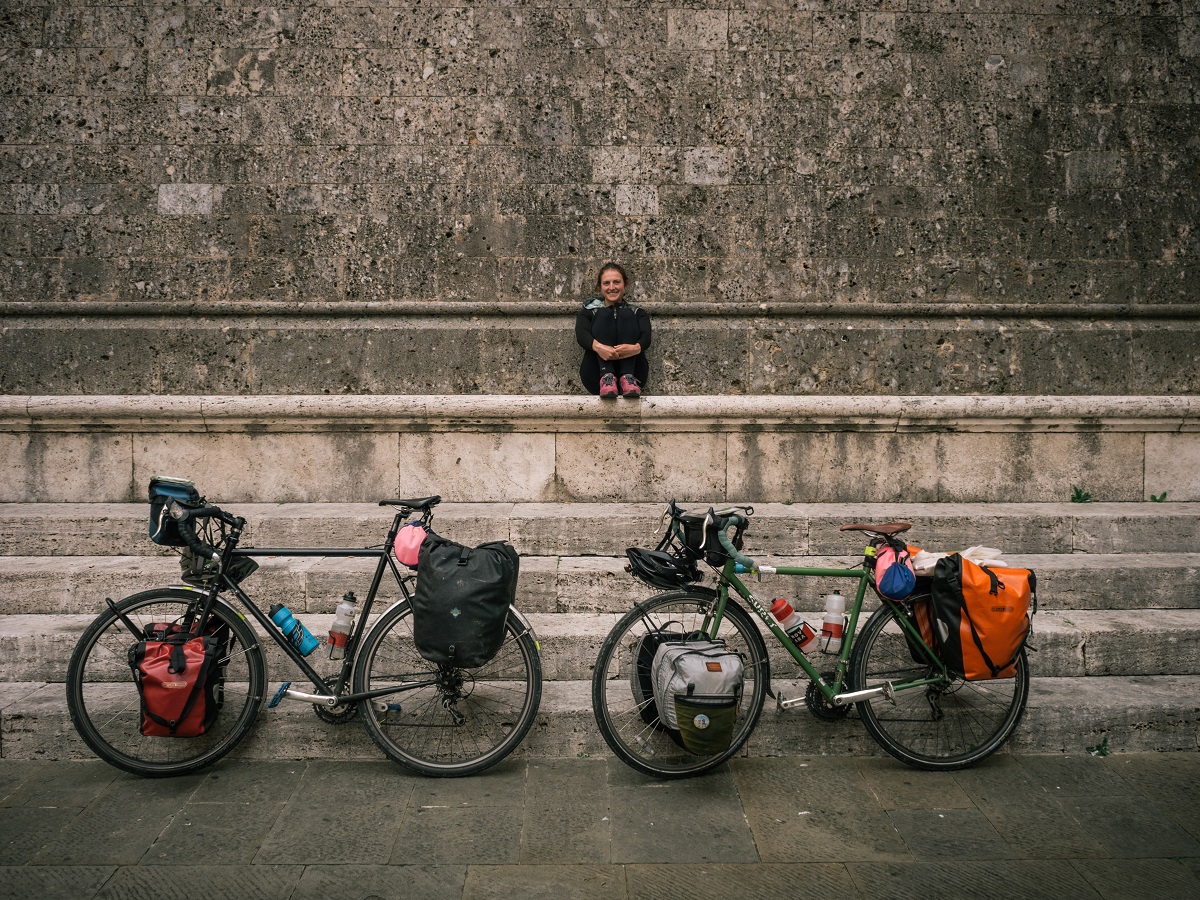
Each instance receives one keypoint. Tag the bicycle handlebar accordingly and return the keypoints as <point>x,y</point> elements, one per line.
<point>185,518</point>
<point>722,520</point>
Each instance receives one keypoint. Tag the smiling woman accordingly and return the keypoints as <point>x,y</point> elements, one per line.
<point>615,336</point>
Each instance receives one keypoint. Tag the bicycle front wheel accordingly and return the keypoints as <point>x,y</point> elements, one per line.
<point>444,721</point>
<point>105,706</point>
<point>942,726</point>
<point>625,710</point>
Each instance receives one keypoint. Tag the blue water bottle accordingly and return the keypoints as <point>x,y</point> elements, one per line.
<point>295,631</point>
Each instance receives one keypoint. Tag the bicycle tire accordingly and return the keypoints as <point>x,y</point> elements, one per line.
<point>641,741</point>
<point>105,707</point>
<point>497,701</point>
<point>977,717</point>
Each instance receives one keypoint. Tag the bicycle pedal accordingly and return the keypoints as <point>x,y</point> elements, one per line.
<point>278,698</point>
<point>783,703</point>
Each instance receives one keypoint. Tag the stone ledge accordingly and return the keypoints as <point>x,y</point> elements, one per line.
<point>1153,583</point>
<point>701,308</point>
<point>1080,532</point>
<point>1070,643</point>
<point>522,355</point>
<point>1138,713</point>
<point>556,413</point>
<point>494,448</point>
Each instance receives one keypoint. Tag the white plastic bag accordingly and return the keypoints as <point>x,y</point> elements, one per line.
<point>924,561</point>
<point>984,556</point>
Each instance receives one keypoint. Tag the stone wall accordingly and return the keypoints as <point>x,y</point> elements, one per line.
<point>914,153</point>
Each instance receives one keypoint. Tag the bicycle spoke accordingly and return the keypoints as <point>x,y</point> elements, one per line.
<point>106,708</point>
<point>448,721</point>
<point>942,726</point>
<point>623,703</point>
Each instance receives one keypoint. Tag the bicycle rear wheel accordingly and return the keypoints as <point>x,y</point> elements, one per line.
<point>627,717</point>
<point>943,726</point>
<point>105,706</point>
<point>463,720</point>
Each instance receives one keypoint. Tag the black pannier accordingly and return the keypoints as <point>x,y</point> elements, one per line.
<point>462,598</point>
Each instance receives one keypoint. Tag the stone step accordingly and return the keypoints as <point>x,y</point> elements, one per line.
<point>488,448</point>
<point>79,584</point>
<point>1122,713</point>
<point>606,529</point>
<point>1071,643</point>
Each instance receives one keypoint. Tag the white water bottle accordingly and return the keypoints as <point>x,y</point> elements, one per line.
<point>834,623</point>
<point>797,629</point>
<point>343,624</point>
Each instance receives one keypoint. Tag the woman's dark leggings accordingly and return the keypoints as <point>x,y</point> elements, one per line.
<point>616,326</point>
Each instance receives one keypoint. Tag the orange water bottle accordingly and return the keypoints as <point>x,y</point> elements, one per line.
<point>801,633</point>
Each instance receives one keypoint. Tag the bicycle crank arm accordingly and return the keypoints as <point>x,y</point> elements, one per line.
<point>885,690</point>
<point>286,693</point>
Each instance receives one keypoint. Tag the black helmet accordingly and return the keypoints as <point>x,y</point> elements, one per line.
<point>661,569</point>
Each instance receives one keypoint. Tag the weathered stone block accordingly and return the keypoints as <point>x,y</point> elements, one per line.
<point>321,467</point>
<point>1026,468</point>
<point>24,23</point>
<point>185,199</point>
<point>604,466</point>
<point>380,72</point>
<point>1172,466</point>
<point>819,468</point>
<point>172,279</point>
<point>65,468</point>
<point>177,71</point>
<point>478,467</point>
<point>344,26</point>
<point>689,29</point>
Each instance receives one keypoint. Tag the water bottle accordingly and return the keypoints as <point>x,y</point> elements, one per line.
<point>834,623</point>
<point>797,629</point>
<point>343,624</point>
<point>295,631</point>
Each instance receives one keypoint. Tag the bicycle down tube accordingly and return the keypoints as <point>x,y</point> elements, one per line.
<point>336,698</point>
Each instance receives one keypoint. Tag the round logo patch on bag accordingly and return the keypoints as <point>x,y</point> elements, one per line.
<point>701,721</point>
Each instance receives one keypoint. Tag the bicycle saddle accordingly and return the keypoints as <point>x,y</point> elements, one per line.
<point>885,528</point>
<point>419,503</point>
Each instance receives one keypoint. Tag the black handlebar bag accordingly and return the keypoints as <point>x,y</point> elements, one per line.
<point>164,489</point>
<point>462,599</point>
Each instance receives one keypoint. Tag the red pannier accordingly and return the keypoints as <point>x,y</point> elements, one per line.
<point>180,678</point>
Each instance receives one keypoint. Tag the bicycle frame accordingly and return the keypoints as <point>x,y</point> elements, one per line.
<point>832,692</point>
<point>324,695</point>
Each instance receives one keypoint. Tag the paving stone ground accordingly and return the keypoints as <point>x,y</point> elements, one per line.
<point>1120,827</point>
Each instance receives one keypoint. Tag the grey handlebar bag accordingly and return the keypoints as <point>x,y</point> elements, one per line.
<point>461,601</point>
<point>697,687</point>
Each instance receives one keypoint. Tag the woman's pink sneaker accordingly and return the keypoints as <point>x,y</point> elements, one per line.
<point>629,387</point>
<point>608,385</point>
